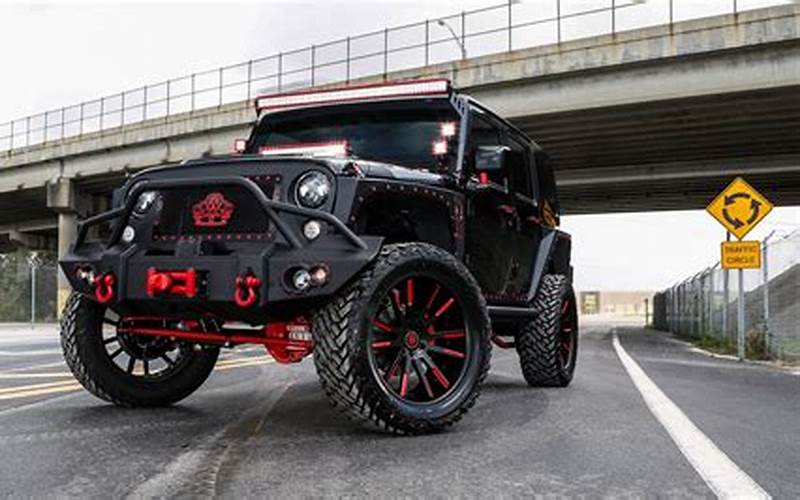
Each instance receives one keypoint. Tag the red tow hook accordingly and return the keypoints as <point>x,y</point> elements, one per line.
<point>246,290</point>
<point>104,288</point>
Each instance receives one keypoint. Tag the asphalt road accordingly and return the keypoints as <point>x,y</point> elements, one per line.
<point>258,428</point>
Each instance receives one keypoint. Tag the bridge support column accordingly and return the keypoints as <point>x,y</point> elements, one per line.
<point>64,199</point>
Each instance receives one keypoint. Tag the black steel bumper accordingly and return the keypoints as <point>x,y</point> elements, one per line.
<point>338,249</point>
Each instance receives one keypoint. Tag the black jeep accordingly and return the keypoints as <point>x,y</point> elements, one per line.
<point>395,231</point>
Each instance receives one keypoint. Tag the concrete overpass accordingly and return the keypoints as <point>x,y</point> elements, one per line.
<point>651,119</point>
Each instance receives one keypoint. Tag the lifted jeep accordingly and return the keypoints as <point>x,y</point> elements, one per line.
<point>393,231</point>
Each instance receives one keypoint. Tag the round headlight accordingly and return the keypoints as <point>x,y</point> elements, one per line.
<point>145,202</point>
<point>313,189</point>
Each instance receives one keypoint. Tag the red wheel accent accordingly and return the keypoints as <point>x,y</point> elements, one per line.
<point>444,308</point>
<point>567,333</point>
<point>418,343</point>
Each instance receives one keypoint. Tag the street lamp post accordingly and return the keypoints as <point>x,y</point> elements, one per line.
<point>460,42</point>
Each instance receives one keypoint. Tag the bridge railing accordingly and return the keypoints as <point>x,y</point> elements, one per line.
<point>504,27</point>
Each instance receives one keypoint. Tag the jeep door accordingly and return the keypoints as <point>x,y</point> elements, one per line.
<point>494,247</point>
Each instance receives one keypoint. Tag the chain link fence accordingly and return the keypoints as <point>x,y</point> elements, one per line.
<point>704,306</point>
<point>28,287</point>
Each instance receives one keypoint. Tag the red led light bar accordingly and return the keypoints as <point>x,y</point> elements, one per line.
<point>418,88</point>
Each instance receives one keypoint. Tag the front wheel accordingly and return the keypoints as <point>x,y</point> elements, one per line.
<point>406,346</point>
<point>125,369</point>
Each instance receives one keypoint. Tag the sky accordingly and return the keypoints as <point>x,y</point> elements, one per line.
<point>60,52</point>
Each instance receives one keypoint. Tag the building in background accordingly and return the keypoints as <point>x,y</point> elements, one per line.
<point>615,303</point>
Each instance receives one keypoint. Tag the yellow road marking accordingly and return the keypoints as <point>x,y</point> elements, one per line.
<point>6,376</point>
<point>71,386</point>
<point>27,391</point>
<point>34,386</point>
<point>228,365</point>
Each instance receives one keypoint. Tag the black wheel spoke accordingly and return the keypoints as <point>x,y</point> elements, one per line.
<point>395,368</point>
<point>168,360</point>
<point>131,365</point>
<point>421,375</point>
<point>404,377</point>
<point>437,372</point>
<point>115,353</point>
<point>397,306</point>
<point>146,364</point>
<point>110,340</point>
<point>109,321</point>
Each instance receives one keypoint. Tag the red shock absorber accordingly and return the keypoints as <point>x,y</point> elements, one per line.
<point>104,288</point>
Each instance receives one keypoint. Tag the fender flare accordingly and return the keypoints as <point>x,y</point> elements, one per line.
<point>554,255</point>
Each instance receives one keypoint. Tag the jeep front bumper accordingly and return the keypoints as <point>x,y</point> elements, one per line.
<point>235,279</point>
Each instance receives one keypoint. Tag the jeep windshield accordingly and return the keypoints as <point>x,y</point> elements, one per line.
<point>419,134</point>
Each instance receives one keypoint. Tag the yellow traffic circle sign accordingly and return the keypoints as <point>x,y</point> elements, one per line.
<point>739,208</point>
<point>741,255</point>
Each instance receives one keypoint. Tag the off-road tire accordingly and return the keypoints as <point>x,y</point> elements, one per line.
<point>538,341</point>
<point>340,343</point>
<point>85,354</point>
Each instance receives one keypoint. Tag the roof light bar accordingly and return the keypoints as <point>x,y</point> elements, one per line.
<point>335,149</point>
<point>382,91</point>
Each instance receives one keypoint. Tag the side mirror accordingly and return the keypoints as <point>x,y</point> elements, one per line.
<point>489,159</point>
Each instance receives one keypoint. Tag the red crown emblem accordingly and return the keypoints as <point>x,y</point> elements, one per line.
<point>213,211</point>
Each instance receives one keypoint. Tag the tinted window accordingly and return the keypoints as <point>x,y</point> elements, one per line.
<point>401,135</point>
<point>483,132</point>
<point>517,169</point>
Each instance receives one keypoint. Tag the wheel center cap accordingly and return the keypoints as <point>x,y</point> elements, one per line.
<point>412,340</point>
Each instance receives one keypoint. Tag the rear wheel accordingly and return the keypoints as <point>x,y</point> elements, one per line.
<point>406,346</point>
<point>548,344</point>
<point>125,369</point>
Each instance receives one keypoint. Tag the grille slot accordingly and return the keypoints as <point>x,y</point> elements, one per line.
<point>202,213</point>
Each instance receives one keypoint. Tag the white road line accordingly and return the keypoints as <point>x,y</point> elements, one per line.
<point>719,472</point>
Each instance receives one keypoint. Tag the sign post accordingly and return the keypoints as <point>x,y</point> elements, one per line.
<point>739,208</point>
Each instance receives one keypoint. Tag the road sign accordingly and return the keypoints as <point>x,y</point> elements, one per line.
<point>741,255</point>
<point>739,208</point>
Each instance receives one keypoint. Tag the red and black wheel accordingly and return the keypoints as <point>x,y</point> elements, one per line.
<point>548,344</point>
<point>407,345</point>
<point>127,369</point>
<point>418,343</point>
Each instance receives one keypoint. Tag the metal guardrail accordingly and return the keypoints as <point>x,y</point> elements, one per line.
<point>495,29</point>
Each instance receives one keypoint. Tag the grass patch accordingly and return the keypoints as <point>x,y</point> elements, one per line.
<point>755,347</point>
<point>716,345</point>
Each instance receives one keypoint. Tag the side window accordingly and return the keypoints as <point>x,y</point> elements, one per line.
<point>517,169</point>
<point>547,188</point>
<point>483,132</point>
